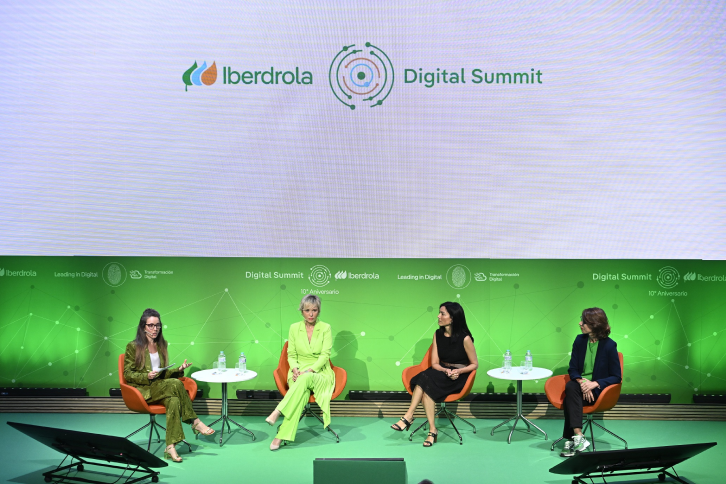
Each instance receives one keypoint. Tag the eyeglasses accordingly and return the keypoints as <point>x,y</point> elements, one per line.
<point>152,326</point>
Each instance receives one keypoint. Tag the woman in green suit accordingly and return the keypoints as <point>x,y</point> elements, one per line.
<point>144,356</point>
<point>308,353</point>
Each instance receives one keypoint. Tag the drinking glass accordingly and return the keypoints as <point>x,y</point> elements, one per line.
<point>523,367</point>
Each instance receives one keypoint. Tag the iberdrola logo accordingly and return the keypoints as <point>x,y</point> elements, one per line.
<point>197,75</point>
<point>365,74</point>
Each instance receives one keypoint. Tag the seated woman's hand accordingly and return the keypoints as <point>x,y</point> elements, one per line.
<point>153,374</point>
<point>184,366</point>
<point>454,374</point>
<point>295,373</point>
<point>587,385</point>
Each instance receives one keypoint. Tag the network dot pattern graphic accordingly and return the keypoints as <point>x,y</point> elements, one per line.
<point>61,333</point>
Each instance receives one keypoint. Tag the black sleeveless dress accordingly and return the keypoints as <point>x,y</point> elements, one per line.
<point>435,383</point>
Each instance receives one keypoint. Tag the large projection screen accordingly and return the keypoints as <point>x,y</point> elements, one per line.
<point>513,129</point>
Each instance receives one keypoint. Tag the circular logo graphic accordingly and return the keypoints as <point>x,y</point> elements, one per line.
<point>668,277</point>
<point>114,274</point>
<point>458,276</point>
<point>319,275</point>
<point>361,75</point>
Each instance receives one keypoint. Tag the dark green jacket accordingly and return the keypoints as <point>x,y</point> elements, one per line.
<point>139,377</point>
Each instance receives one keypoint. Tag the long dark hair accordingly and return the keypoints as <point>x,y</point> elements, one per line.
<point>596,319</point>
<point>142,344</point>
<point>458,321</point>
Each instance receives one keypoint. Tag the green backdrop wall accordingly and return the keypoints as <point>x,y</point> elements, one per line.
<point>65,320</point>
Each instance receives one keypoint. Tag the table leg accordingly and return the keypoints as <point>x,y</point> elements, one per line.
<point>516,421</point>
<point>519,416</point>
<point>224,411</point>
<point>519,404</point>
<point>224,418</point>
<point>243,428</point>
<point>526,420</point>
<point>519,397</point>
<point>506,421</point>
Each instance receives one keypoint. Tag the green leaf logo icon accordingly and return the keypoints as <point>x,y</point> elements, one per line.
<point>187,76</point>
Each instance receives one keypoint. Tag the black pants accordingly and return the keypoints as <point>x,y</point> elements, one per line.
<point>573,405</point>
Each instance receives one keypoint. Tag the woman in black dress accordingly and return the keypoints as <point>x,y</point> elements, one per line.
<point>452,356</point>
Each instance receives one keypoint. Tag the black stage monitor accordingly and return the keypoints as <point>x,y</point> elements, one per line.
<point>85,445</point>
<point>627,462</point>
<point>359,471</point>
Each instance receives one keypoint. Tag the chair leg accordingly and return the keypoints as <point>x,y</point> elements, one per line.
<point>157,424</point>
<point>410,437</point>
<point>309,410</point>
<point>425,422</point>
<point>555,443</point>
<point>465,421</point>
<point>588,425</point>
<point>153,430</point>
<point>611,433</point>
<point>305,411</point>
<point>138,430</point>
<point>152,423</point>
<point>448,416</point>
<point>337,439</point>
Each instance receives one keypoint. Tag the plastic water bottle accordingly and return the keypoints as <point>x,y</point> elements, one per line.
<point>528,360</point>
<point>507,361</point>
<point>222,361</point>
<point>242,362</point>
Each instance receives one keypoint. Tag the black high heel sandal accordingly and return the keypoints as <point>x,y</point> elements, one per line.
<point>399,429</point>
<point>429,444</point>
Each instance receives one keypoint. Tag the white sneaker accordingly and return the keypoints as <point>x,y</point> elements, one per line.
<point>567,450</point>
<point>580,443</point>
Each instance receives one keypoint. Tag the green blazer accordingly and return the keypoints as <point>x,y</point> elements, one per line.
<point>314,354</point>
<point>139,377</point>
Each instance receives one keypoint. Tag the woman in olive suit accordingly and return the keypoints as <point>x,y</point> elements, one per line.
<point>144,356</point>
<point>308,353</point>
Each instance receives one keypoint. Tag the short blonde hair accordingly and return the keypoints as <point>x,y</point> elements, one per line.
<point>310,300</point>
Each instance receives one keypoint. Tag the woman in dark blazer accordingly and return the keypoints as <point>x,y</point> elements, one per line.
<point>594,365</point>
<point>143,358</point>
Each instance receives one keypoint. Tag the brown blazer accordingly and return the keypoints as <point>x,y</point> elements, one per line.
<point>139,377</point>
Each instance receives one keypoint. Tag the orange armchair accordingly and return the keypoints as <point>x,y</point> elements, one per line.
<point>280,374</point>
<point>136,403</point>
<point>608,398</point>
<point>411,371</point>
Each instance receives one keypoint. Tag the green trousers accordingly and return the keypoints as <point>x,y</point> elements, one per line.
<point>171,393</point>
<point>298,396</point>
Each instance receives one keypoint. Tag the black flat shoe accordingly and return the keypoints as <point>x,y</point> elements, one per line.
<point>399,429</point>
<point>429,444</point>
